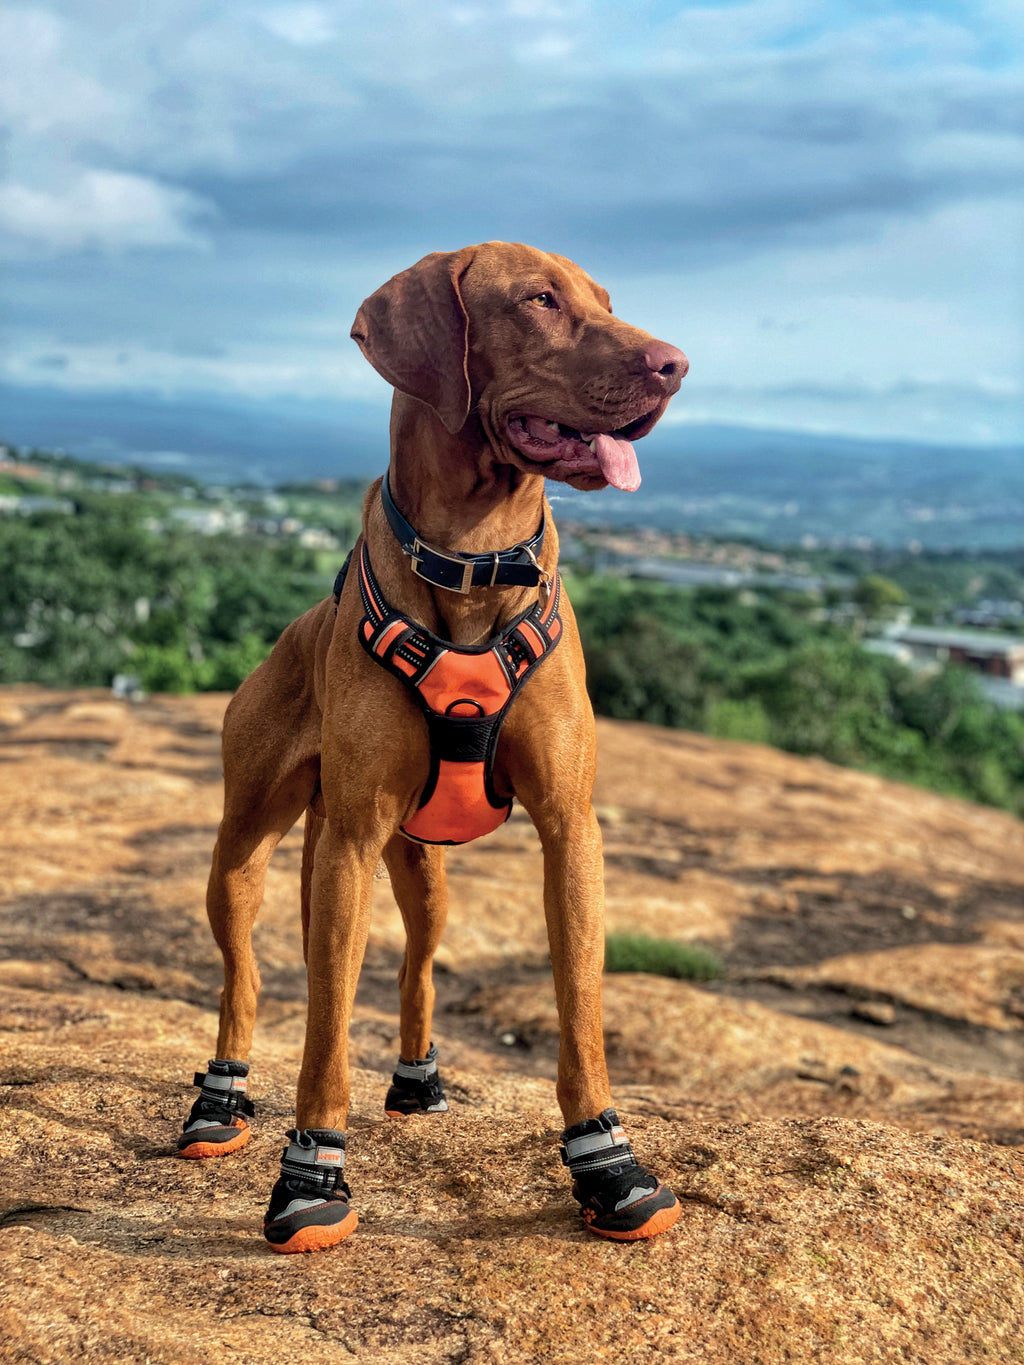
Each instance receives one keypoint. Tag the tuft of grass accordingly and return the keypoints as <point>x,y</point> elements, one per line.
<point>660,957</point>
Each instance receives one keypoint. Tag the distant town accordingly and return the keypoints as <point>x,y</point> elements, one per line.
<point>973,629</point>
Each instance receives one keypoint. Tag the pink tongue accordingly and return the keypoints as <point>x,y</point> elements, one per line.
<point>617,459</point>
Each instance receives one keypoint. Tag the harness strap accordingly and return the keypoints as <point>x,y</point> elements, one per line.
<point>465,694</point>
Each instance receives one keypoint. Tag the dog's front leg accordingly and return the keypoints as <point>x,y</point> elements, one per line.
<point>309,1206</point>
<point>551,769</point>
<point>554,778</point>
<point>619,1198</point>
<point>574,910</point>
<point>339,924</point>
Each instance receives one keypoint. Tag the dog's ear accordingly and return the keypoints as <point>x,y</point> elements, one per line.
<point>414,331</point>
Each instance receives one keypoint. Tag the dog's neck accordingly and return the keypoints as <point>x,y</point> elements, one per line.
<point>453,489</point>
<point>461,498</point>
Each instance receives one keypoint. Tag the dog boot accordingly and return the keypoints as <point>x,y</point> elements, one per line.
<point>619,1198</point>
<point>217,1123</point>
<point>309,1207</point>
<point>416,1088</point>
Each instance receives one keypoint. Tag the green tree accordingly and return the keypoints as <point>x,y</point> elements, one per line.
<point>878,597</point>
<point>744,719</point>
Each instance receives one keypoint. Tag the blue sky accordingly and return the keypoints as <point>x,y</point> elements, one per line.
<point>819,201</point>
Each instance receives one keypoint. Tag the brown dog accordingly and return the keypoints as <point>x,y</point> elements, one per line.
<point>508,366</point>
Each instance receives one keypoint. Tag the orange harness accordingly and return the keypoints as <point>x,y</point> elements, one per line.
<point>465,695</point>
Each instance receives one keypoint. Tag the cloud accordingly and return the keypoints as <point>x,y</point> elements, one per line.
<point>109,210</point>
<point>912,410</point>
<point>723,125</point>
<point>251,371</point>
<point>303,25</point>
<point>986,389</point>
<point>49,87</point>
<point>849,172</point>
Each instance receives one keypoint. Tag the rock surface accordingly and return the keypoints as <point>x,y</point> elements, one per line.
<point>842,1115</point>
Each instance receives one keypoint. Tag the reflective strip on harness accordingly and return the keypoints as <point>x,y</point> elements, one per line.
<point>465,695</point>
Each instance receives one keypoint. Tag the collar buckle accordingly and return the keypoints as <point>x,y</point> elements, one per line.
<point>420,551</point>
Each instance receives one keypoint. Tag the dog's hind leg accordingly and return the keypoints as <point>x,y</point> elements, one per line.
<point>271,770</point>
<point>248,836</point>
<point>419,882</point>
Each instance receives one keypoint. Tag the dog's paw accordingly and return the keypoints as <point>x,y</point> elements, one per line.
<point>628,1207</point>
<point>416,1088</point>
<point>309,1206</point>
<point>216,1140</point>
<point>309,1220</point>
<point>216,1124</point>
<point>618,1198</point>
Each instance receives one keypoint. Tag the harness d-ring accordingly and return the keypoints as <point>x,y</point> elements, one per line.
<point>544,578</point>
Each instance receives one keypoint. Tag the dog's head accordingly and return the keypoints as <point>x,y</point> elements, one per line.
<point>525,343</point>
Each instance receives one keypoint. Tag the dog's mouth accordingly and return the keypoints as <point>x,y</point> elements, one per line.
<point>595,458</point>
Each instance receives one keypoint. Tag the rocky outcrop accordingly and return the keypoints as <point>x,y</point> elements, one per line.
<point>842,1115</point>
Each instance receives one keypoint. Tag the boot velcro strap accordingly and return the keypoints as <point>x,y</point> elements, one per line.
<point>597,1150</point>
<point>227,1092</point>
<point>218,1081</point>
<point>423,1069</point>
<point>316,1156</point>
<point>619,1156</point>
<point>323,1177</point>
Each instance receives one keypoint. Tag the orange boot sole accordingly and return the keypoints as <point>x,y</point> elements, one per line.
<point>198,1150</point>
<point>318,1238</point>
<point>658,1222</point>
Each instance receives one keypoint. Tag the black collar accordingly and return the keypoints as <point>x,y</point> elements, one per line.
<point>516,566</point>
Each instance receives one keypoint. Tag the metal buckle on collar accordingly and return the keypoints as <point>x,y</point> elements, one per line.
<point>416,554</point>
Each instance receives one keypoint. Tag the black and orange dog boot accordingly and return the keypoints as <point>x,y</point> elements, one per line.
<point>309,1208</point>
<point>217,1123</point>
<point>618,1197</point>
<point>416,1088</point>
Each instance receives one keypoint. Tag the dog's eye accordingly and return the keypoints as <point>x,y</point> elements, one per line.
<point>544,300</point>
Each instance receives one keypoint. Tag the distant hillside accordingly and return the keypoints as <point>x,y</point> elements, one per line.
<point>186,588</point>
<point>781,486</point>
<point>727,481</point>
<point>215,440</point>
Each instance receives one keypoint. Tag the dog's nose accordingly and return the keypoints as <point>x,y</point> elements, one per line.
<point>667,363</point>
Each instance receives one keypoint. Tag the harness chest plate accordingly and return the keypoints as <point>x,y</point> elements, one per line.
<point>465,694</point>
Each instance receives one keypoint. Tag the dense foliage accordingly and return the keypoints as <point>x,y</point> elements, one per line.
<point>768,670</point>
<point>121,587</point>
<point>105,592</point>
